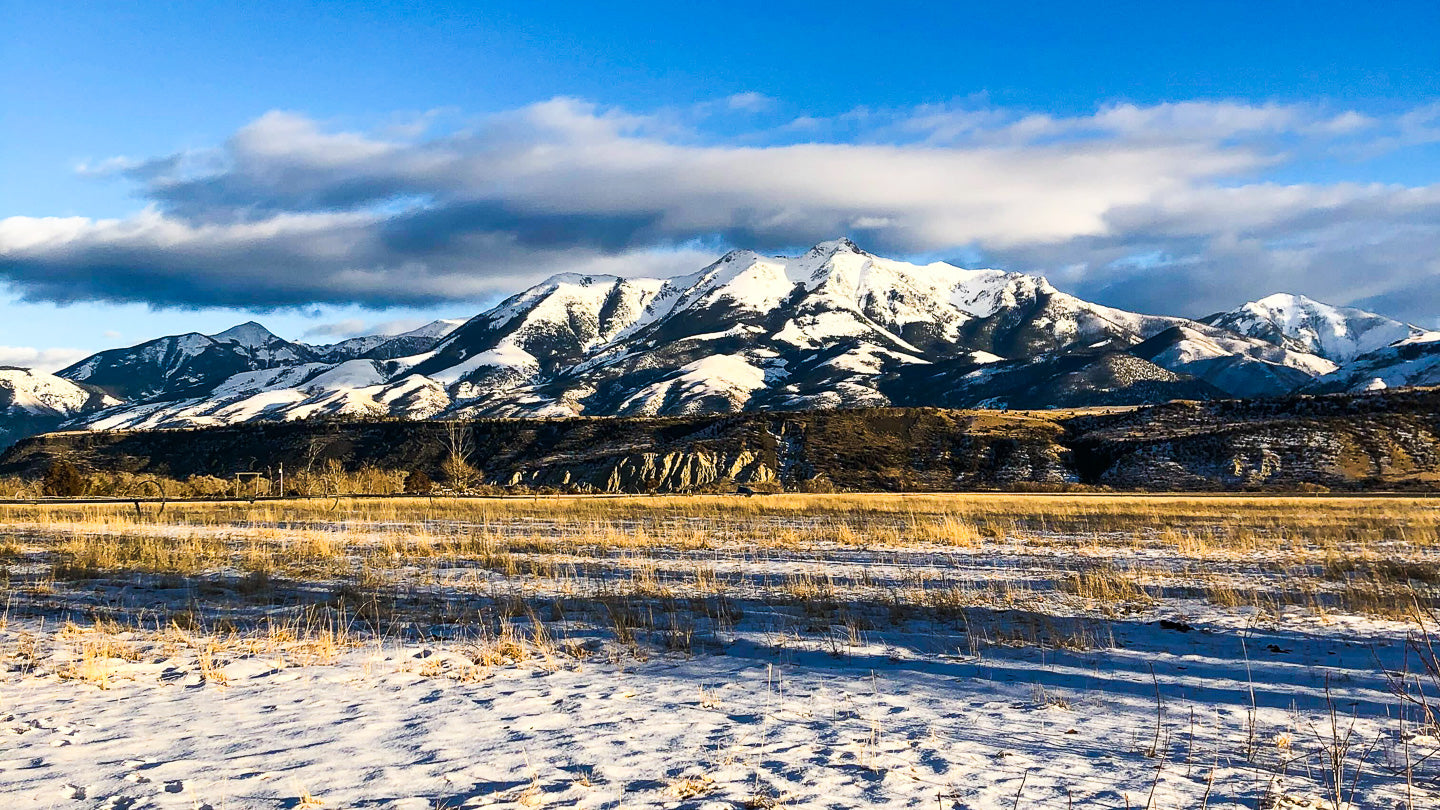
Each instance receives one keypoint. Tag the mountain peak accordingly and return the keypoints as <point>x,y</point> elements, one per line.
<point>1339,334</point>
<point>1282,300</point>
<point>833,246</point>
<point>249,334</point>
<point>738,255</point>
<point>582,279</point>
<point>436,328</point>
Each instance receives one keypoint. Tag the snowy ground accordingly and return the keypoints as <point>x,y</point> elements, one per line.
<point>809,675</point>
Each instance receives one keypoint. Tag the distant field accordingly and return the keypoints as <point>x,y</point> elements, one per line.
<point>720,651</point>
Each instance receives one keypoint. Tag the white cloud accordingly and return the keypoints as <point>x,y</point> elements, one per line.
<point>288,212</point>
<point>50,360</point>
<point>750,102</point>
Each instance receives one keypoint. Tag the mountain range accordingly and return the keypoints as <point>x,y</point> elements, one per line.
<point>834,327</point>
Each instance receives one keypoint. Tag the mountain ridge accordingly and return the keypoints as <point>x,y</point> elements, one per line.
<point>1374,441</point>
<point>833,327</point>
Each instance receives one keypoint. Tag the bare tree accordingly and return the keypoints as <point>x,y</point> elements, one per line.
<point>305,479</point>
<point>333,477</point>
<point>459,447</point>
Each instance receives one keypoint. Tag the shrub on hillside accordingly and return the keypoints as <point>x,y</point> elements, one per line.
<point>16,487</point>
<point>206,486</point>
<point>418,483</point>
<point>64,480</point>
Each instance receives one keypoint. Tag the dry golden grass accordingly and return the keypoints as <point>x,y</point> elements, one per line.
<point>1105,584</point>
<point>1186,522</point>
<point>658,568</point>
<point>688,787</point>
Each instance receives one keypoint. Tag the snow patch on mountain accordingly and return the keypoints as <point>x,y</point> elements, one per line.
<point>1410,362</point>
<point>697,385</point>
<point>247,383</point>
<point>350,374</point>
<point>510,357</point>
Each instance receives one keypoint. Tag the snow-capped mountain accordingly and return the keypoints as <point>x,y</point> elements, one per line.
<point>1340,334</point>
<point>33,402</point>
<point>185,365</point>
<point>818,330</point>
<point>1238,365</point>
<point>832,327</point>
<point>39,394</point>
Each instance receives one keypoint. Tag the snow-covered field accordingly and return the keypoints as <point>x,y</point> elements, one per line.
<point>930,652</point>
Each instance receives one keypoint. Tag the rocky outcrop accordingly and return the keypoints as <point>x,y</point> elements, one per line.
<point>1368,441</point>
<point>674,471</point>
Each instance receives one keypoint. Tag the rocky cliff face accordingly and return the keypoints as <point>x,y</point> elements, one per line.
<point>672,471</point>
<point>873,449</point>
<point>1380,440</point>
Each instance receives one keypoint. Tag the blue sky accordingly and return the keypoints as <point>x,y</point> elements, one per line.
<point>334,166</point>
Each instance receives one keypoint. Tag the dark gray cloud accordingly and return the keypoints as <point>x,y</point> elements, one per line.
<point>1162,208</point>
<point>1373,246</point>
<point>295,260</point>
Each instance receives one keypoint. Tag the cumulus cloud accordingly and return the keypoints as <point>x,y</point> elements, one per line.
<point>40,359</point>
<point>1165,206</point>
